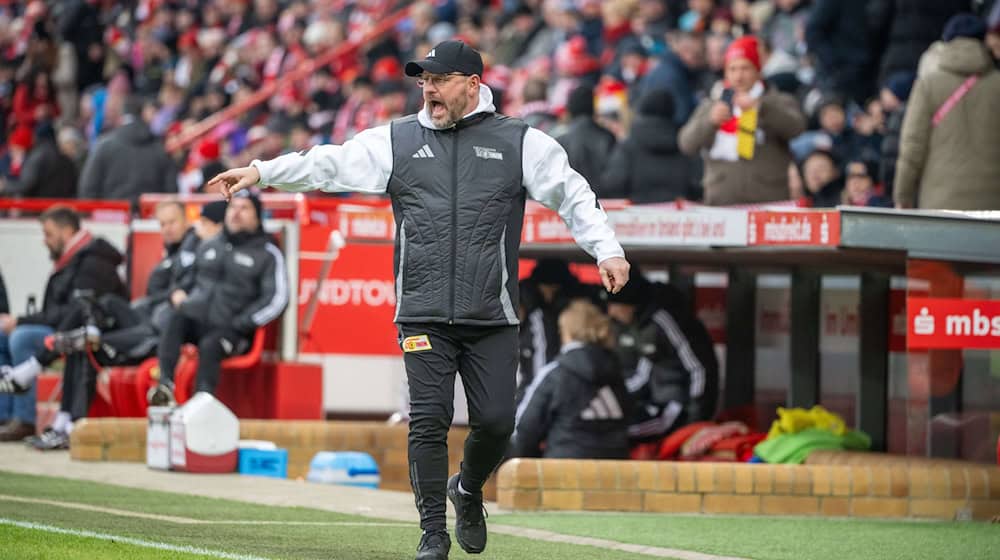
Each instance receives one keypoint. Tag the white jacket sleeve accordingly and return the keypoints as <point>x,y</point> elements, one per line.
<point>362,164</point>
<point>551,181</point>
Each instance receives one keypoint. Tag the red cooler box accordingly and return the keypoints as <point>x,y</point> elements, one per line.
<point>204,436</point>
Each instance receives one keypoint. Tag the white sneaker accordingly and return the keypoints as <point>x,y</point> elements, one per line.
<point>7,383</point>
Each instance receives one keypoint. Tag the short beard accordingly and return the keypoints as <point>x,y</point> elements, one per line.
<point>454,115</point>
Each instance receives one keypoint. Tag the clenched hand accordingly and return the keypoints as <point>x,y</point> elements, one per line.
<point>614,273</point>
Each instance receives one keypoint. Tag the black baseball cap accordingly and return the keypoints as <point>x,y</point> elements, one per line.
<point>448,57</point>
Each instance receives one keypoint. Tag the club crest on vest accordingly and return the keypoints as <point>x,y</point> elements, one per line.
<point>487,153</point>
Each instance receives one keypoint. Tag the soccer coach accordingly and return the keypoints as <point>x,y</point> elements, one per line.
<point>458,174</point>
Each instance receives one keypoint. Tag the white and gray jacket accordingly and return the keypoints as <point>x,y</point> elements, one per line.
<point>458,197</point>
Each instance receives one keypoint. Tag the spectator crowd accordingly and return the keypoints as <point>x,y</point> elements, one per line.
<point>725,101</point>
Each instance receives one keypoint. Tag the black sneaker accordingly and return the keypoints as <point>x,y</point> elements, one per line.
<point>470,525</point>
<point>7,383</point>
<point>434,545</point>
<point>161,395</point>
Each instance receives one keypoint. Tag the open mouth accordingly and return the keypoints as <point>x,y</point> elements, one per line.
<point>436,108</point>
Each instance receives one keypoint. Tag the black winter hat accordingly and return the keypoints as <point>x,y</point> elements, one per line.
<point>215,211</point>
<point>657,103</point>
<point>581,101</point>
<point>964,25</point>
<point>552,271</point>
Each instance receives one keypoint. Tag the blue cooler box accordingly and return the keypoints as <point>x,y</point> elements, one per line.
<point>261,462</point>
<point>348,468</point>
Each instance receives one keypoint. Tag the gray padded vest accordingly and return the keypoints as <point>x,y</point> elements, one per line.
<point>458,201</point>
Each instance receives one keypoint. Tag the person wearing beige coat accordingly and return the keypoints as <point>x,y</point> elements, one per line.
<point>744,142</point>
<point>956,163</point>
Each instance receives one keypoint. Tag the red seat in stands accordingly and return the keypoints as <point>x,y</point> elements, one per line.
<point>187,367</point>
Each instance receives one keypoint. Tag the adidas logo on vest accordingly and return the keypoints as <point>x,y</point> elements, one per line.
<point>424,152</point>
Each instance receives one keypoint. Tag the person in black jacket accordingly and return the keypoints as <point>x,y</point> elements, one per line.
<point>128,161</point>
<point>240,285</point>
<point>671,370</point>
<point>648,166</point>
<point>576,406</point>
<point>910,27</point>
<point>549,289</point>
<point>84,265</point>
<point>458,175</point>
<point>46,172</point>
<point>587,143</point>
<point>837,35</point>
<point>894,96</point>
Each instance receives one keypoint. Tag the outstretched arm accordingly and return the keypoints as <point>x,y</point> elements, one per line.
<point>362,164</point>
<point>551,181</point>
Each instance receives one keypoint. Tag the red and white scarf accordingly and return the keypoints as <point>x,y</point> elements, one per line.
<point>737,137</point>
<point>79,240</point>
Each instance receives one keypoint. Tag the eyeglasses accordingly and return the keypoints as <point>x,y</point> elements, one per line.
<point>437,80</point>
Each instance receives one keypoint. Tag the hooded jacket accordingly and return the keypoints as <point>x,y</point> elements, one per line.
<point>577,405</point>
<point>240,282</point>
<point>954,165</point>
<point>458,197</point>
<point>92,268</point>
<point>648,166</point>
<point>126,163</point>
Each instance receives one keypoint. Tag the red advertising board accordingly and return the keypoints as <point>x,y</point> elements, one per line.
<point>544,226</point>
<point>794,227</point>
<point>367,224</point>
<point>356,301</point>
<point>952,323</point>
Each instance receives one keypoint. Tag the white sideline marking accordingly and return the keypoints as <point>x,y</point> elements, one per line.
<point>130,540</point>
<point>322,523</point>
<point>533,534</point>
<point>192,521</point>
<point>99,509</point>
<point>656,551</point>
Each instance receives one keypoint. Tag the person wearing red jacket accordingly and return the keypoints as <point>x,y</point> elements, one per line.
<point>34,100</point>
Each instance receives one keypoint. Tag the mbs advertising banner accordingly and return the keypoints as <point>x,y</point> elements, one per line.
<point>952,323</point>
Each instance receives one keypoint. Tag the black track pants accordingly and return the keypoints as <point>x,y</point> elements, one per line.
<point>486,358</point>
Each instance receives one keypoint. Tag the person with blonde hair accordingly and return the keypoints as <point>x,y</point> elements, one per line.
<point>577,404</point>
